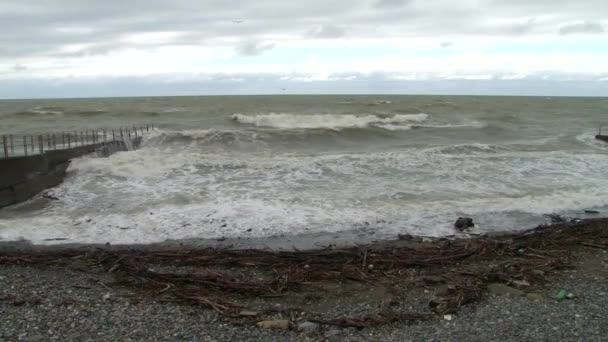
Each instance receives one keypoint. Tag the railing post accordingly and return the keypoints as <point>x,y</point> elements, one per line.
<point>40,144</point>
<point>10,137</point>
<point>69,140</point>
<point>5,144</point>
<point>25,145</point>
<point>121,135</point>
<point>82,138</point>
<point>63,139</point>
<point>32,143</point>
<point>135,129</point>
<point>147,128</point>
<point>113,135</point>
<point>48,142</point>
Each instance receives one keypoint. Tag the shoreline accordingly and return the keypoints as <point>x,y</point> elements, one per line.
<point>302,242</point>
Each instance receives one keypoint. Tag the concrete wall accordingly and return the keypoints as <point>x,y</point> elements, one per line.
<point>21,178</point>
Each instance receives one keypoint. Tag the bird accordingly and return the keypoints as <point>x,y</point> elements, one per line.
<point>237,21</point>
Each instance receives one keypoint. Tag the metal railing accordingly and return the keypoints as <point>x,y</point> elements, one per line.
<point>34,144</point>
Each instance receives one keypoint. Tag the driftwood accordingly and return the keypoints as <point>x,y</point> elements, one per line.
<point>467,266</point>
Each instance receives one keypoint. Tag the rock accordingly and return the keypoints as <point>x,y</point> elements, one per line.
<point>332,332</point>
<point>248,313</point>
<point>537,297</point>
<point>570,296</point>
<point>521,283</point>
<point>464,223</point>
<point>591,212</point>
<point>278,324</point>
<point>502,289</point>
<point>308,327</point>
<point>447,317</point>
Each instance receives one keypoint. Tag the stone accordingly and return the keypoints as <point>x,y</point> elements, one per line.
<point>308,327</point>
<point>502,289</point>
<point>332,332</point>
<point>278,324</point>
<point>464,223</point>
<point>521,283</point>
<point>536,297</point>
<point>248,313</point>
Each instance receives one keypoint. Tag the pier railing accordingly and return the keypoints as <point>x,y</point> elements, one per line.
<point>33,144</point>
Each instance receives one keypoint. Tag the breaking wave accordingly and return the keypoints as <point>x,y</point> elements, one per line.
<point>330,121</point>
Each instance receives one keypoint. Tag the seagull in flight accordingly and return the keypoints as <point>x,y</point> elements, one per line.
<point>237,21</point>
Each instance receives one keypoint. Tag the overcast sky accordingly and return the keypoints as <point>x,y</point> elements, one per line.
<point>73,48</point>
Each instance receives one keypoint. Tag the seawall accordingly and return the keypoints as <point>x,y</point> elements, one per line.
<point>23,177</point>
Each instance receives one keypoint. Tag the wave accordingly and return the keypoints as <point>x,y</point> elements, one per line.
<point>330,121</point>
<point>38,111</point>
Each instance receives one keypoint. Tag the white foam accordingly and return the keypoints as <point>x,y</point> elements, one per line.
<point>198,193</point>
<point>327,121</point>
<point>588,138</point>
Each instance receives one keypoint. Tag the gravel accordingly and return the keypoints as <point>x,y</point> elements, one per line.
<point>59,304</point>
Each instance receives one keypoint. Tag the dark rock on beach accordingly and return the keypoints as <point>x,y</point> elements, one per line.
<point>464,223</point>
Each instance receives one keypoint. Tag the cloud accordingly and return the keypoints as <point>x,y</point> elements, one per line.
<point>253,48</point>
<point>326,31</point>
<point>391,3</point>
<point>62,39</point>
<point>582,28</point>
<point>19,67</point>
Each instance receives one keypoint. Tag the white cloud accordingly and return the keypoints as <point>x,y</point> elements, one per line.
<point>317,41</point>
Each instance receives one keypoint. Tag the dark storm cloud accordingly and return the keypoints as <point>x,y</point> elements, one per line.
<point>582,28</point>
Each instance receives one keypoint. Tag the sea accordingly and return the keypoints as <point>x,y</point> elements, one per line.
<point>354,168</point>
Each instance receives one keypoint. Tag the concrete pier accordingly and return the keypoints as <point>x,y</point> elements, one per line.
<point>22,177</point>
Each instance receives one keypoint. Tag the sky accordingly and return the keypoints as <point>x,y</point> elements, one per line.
<point>87,48</point>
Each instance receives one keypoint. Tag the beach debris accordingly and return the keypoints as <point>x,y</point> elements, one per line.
<point>248,313</point>
<point>570,296</point>
<point>561,295</point>
<point>213,277</point>
<point>448,317</point>
<point>464,223</point>
<point>432,280</point>
<point>55,239</point>
<point>591,212</point>
<point>50,195</point>
<point>278,324</point>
